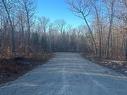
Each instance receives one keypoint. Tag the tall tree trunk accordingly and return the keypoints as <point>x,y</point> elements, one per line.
<point>12,29</point>
<point>99,30</point>
<point>110,28</point>
<point>91,33</point>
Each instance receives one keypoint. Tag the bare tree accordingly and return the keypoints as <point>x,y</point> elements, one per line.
<point>97,9</point>
<point>124,18</point>
<point>43,24</point>
<point>60,25</point>
<point>43,29</point>
<point>111,7</point>
<point>29,10</point>
<point>7,7</point>
<point>82,9</point>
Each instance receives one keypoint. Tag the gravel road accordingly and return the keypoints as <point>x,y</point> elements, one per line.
<point>68,74</point>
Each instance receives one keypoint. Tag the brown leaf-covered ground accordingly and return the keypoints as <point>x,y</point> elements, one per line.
<point>11,69</point>
<point>117,65</point>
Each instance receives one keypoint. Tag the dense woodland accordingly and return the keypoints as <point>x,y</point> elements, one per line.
<point>103,33</point>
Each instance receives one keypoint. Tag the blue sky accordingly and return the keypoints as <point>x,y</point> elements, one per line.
<point>57,9</point>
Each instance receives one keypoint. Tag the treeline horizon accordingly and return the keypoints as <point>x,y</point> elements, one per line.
<point>24,34</point>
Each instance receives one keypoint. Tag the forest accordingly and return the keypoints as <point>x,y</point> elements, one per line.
<point>103,33</point>
<point>63,47</point>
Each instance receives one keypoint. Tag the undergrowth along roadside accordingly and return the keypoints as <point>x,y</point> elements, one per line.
<point>11,69</point>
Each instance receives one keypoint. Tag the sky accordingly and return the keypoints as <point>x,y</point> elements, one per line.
<point>57,10</point>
